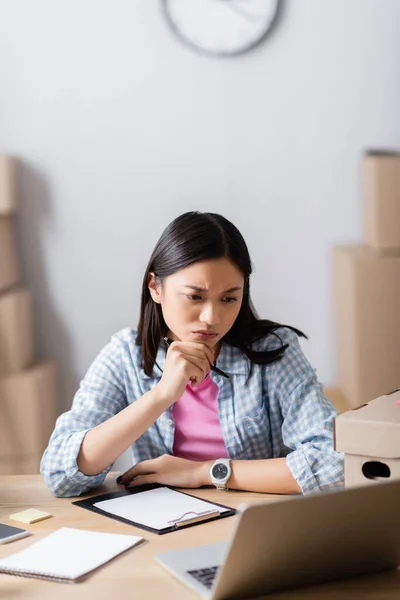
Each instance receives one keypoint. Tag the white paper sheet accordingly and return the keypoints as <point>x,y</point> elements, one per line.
<point>157,508</point>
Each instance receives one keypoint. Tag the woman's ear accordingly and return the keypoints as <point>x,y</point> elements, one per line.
<point>154,288</point>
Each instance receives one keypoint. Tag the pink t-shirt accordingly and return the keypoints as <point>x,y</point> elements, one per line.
<point>198,434</point>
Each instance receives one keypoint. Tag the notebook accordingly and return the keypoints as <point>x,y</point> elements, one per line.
<point>156,508</point>
<point>66,555</point>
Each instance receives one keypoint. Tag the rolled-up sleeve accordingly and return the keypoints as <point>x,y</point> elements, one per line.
<point>100,396</point>
<point>308,421</point>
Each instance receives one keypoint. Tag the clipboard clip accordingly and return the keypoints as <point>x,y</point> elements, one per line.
<point>186,519</point>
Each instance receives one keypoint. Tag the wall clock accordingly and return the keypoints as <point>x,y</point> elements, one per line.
<point>221,27</point>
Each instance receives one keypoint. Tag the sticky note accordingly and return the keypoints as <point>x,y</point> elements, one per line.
<point>31,515</point>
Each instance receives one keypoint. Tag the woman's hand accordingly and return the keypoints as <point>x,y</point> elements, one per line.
<point>168,470</point>
<point>184,361</point>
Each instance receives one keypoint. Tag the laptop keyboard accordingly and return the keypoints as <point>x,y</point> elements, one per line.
<point>205,576</point>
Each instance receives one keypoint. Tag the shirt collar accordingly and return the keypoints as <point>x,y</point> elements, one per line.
<point>232,361</point>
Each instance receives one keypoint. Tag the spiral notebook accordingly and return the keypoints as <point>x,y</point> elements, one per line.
<point>67,555</point>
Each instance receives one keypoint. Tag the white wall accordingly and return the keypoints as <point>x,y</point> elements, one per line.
<point>120,128</point>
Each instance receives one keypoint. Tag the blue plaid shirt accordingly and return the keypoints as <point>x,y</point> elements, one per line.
<point>282,411</point>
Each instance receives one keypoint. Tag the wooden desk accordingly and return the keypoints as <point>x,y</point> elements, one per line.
<point>136,574</point>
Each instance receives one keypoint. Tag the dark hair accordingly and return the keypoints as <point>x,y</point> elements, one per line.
<point>192,237</point>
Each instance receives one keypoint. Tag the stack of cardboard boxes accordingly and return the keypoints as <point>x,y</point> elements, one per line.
<point>369,436</point>
<point>367,289</point>
<point>28,398</point>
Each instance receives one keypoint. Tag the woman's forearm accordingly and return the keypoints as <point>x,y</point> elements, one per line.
<point>103,444</point>
<point>267,476</point>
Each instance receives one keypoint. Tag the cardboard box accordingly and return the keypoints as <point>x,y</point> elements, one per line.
<point>8,202</point>
<point>367,322</point>
<point>28,411</point>
<point>16,332</point>
<point>381,183</point>
<point>337,398</point>
<point>20,465</point>
<point>9,263</point>
<point>370,438</point>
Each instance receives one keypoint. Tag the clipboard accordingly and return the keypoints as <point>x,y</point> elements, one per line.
<point>175,523</point>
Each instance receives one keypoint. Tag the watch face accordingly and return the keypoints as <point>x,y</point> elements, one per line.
<point>220,471</point>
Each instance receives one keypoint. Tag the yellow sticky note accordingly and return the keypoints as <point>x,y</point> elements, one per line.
<point>31,515</point>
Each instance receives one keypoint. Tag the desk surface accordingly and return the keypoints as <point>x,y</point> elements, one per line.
<point>136,574</point>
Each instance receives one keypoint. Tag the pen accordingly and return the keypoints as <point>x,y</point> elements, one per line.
<point>213,367</point>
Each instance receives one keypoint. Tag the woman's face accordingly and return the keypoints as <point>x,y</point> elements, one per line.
<point>200,303</point>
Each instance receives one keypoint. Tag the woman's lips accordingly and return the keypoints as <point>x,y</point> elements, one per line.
<point>205,334</point>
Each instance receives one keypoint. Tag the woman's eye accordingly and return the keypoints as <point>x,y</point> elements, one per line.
<point>197,297</point>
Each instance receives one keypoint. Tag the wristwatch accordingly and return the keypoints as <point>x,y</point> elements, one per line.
<point>220,472</point>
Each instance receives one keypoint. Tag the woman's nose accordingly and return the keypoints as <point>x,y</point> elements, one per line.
<point>210,315</point>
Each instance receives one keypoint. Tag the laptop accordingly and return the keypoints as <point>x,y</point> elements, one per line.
<point>296,541</point>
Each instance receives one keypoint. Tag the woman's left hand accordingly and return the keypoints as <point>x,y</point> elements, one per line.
<point>168,470</point>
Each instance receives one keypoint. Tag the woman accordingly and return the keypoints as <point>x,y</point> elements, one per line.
<point>263,425</point>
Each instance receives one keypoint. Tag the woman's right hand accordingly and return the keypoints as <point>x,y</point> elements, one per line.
<point>185,361</point>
